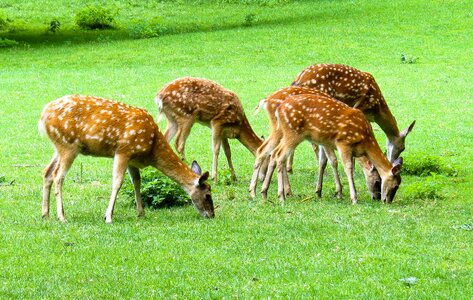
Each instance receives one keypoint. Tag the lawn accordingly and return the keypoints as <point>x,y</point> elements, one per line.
<point>420,246</point>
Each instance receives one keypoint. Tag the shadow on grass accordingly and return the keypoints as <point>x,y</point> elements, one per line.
<point>38,37</point>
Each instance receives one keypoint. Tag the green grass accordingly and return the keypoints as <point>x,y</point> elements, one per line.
<point>311,248</point>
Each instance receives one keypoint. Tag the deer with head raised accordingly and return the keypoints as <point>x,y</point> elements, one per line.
<point>359,90</point>
<point>325,121</point>
<point>271,103</point>
<point>100,127</point>
<point>188,100</point>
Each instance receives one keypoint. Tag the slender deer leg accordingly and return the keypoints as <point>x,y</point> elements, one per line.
<point>267,179</point>
<point>120,162</point>
<point>182,135</point>
<point>216,143</point>
<point>261,164</point>
<point>336,176</point>
<point>322,166</point>
<point>136,180</point>
<point>228,154</point>
<point>289,163</point>
<point>48,179</point>
<point>348,165</point>
<point>171,129</point>
<point>65,161</point>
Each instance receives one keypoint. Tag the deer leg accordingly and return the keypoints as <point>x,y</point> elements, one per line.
<point>228,154</point>
<point>182,135</point>
<point>267,179</point>
<point>348,165</point>
<point>171,129</point>
<point>216,143</point>
<point>48,179</point>
<point>66,158</point>
<point>120,162</point>
<point>290,162</point>
<point>322,166</point>
<point>136,180</point>
<point>261,164</point>
<point>336,176</point>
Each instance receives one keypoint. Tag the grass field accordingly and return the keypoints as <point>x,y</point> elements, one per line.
<point>418,247</point>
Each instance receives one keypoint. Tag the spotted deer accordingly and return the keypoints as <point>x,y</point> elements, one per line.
<point>188,100</point>
<point>100,127</point>
<point>359,90</point>
<point>271,103</point>
<point>334,125</point>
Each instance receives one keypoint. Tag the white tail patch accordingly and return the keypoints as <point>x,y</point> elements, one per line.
<point>261,104</point>
<point>41,128</point>
<point>159,103</point>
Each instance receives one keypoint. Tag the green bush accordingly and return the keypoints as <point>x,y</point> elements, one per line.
<point>95,17</point>
<point>157,190</point>
<point>154,28</point>
<point>5,22</point>
<point>427,165</point>
<point>6,43</point>
<point>425,190</point>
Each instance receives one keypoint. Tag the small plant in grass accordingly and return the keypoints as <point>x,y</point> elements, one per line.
<point>7,43</point>
<point>408,59</point>
<point>427,165</point>
<point>95,17</point>
<point>154,28</point>
<point>249,20</point>
<point>158,191</point>
<point>54,26</point>
<point>428,189</point>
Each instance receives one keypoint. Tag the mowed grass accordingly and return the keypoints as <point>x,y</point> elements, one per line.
<point>417,247</point>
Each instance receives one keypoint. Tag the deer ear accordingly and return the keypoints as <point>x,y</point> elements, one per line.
<point>396,169</point>
<point>196,168</point>
<point>203,178</point>
<point>406,131</point>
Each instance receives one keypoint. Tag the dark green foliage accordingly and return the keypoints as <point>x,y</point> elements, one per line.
<point>4,21</point>
<point>151,29</point>
<point>408,59</point>
<point>429,188</point>
<point>6,43</point>
<point>249,20</point>
<point>427,165</point>
<point>54,25</point>
<point>95,17</point>
<point>157,190</point>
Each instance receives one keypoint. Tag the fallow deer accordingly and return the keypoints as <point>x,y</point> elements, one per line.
<point>271,103</point>
<point>100,127</point>
<point>188,100</point>
<point>359,90</point>
<point>325,121</point>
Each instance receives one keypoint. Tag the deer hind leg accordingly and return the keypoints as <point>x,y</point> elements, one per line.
<point>48,179</point>
<point>171,129</point>
<point>64,163</point>
<point>348,166</point>
<point>261,164</point>
<point>183,131</point>
<point>228,154</point>
<point>136,180</point>
<point>336,176</point>
<point>322,165</point>
<point>120,162</point>
<point>216,144</point>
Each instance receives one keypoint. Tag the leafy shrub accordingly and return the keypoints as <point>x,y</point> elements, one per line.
<point>427,165</point>
<point>154,28</point>
<point>6,43</point>
<point>158,191</point>
<point>95,17</point>
<point>5,22</point>
<point>249,20</point>
<point>425,190</point>
<point>54,26</point>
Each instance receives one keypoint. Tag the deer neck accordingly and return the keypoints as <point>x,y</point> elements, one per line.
<point>377,158</point>
<point>172,166</point>
<point>386,121</point>
<point>248,137</point>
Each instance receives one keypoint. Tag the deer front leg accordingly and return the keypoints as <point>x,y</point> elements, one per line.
<point>136,180</point>
<point>119,166</point>
<point>348,165</point>
<point>171,129</point>
<point>228,154</point>
<point>336,176</point>
<point>267,179</point>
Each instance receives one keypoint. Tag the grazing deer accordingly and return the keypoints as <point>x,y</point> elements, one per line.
<point>188,100</point>
<point>334,125</point>
<point>359,90</point>
<point>100,127</point>
<point>271,103</point>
